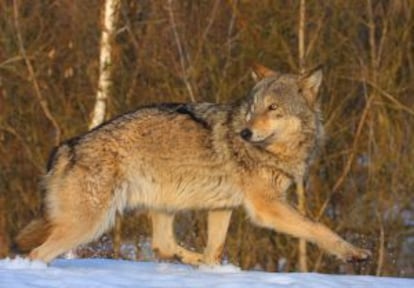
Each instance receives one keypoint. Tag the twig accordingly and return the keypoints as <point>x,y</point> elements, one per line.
<point>351,157</point>
<point>318,261</point>
<point>211,18</point>
<point>301,35</point>
<point>288,52</point>
<point>229,44</point>
<point>373,63</point>
<point>381,245</point>
<point>40,98</point>
<point>231,26</point>
<point>302,253</point>
<point>384,93</point>
<point>242,23</point>
<point>315,36</point>
<point>384,34</point>
<point>25,145</point>
<point>392,99</point>
<point>371,38</point>
<point>180,52</point>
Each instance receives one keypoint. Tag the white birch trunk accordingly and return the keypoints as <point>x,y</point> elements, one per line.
<point>105,62</point>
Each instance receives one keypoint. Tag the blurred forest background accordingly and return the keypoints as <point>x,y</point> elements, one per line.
<point>362,184</point>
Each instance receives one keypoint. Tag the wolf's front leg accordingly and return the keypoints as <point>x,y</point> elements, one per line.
<point>280,216</point>
<point>218,223</point>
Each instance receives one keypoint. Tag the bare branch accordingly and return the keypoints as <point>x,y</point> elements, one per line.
<point>26,146</point>
<point>372,42</point>
<point>42,101</point>
<point>315,36</point>
<point>184,71</point>
<point>352,154</point>
<point>381,248</point>
<point>206,30</point>
<point>301,35</point>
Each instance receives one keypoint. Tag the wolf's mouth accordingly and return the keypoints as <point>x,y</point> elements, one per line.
<point>265,141</point>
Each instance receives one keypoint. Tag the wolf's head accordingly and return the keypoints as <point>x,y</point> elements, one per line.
<point>282,109</point>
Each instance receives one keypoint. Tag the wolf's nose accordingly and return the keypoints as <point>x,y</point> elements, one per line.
<point>246,134</point>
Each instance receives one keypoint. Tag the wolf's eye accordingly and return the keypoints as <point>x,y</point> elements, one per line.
<point>273,106</point>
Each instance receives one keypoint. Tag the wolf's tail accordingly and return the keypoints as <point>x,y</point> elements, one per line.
<point>33,235</point>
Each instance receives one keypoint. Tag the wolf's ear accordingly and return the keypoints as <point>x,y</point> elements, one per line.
<point>259,72</point>
<point>309,83</point>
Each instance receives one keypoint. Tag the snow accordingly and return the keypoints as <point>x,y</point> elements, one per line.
<point>19,273</point>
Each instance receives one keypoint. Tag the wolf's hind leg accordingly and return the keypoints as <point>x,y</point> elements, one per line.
<point>61,239</point>
<point>164,243</point>
<point>69,229</point>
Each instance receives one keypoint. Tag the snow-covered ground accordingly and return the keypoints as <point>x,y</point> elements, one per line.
<point>102,273</point>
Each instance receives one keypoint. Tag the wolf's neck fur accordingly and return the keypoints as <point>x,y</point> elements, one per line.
<point>290,158</point>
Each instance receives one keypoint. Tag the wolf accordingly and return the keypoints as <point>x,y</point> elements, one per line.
<point>184,156</point>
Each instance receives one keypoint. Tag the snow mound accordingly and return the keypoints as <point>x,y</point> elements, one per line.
<point>228,268</point>
<point>102,273</point>
<point>21,263</point>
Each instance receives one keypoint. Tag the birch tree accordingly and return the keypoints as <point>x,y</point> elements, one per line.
<point>110,13</point>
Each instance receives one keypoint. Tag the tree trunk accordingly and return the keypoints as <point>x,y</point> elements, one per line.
<point>300,190</point>
<point>105,61</point>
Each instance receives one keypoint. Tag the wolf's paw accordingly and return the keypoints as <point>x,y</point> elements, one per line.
<point>211,261</point>
<point>357,255</point>
<point>194,260</point>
